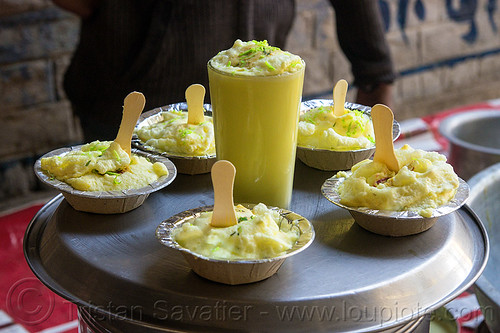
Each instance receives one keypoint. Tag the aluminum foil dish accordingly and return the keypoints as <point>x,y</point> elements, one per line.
<point>234,272</point>
<point>336,160</point>
<point>109,202</point>
<point>190,165</point>
<point>393,223</point>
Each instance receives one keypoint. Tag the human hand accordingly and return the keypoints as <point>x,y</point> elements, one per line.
<point>81,8</point>
<point>380,94</point>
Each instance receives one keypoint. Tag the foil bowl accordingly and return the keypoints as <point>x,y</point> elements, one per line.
<point>190,165</point>
<point>336,160</point>
<point>109,202</point>
<point>234,272</point>
<point>393,223</point>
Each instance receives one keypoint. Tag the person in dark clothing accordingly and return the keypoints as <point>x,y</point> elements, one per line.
<point>160,47</point>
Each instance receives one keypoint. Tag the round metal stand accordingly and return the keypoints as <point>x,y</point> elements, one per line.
<point>349,279</point>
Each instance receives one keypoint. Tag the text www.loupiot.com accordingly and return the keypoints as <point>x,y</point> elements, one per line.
<point>28,302</point>
<point>227,312</point>
<point>223,311</point>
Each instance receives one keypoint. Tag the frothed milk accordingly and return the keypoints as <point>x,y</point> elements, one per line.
<point>255,92</point>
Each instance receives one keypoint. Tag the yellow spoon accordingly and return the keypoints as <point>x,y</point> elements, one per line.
<point>195,94</point>
<point>223,173</point>
<point>132,108</point>
<point>339,93</point>
<point>382,118</point>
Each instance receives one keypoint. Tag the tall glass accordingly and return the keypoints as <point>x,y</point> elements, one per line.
<point>255,122</point>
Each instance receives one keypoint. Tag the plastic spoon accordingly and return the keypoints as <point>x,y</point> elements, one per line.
<point>132,108</point>
<point>195,95</point>
<point>339,93</point>
<point>223,173</point>
<point>382,118</point>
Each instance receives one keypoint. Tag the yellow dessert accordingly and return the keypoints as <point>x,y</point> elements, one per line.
<point>175,136</point>
<point>102,166</point>
<point>255,92</point>
<point>424,182</point>
<point>260,233</point>
<point>256,58</point>
<point>319,128</point>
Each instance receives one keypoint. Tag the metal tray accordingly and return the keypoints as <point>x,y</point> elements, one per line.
<point>484,199</point>
<point>348,280</point>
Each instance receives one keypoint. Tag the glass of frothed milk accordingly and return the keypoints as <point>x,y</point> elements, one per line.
<point>255,91</point>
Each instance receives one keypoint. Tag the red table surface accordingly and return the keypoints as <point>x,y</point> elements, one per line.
<point>23,297</point>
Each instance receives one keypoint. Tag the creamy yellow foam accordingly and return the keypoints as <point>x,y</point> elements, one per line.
<point>257,235</point>
<point>424,182</point>
<point>320,128</point>
<point>175,136</point>
<point>102,166</point>
<point>256,58</point>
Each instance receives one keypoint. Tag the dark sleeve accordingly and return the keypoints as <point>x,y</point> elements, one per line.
<point>361,36</point>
